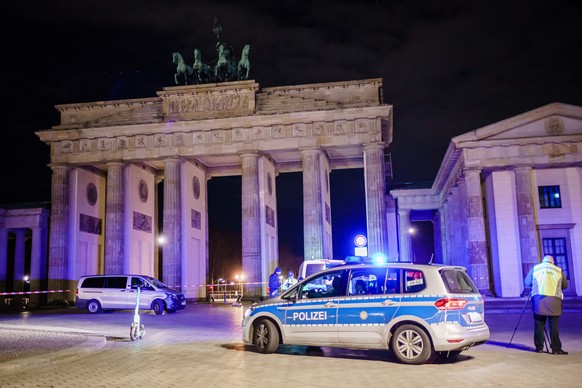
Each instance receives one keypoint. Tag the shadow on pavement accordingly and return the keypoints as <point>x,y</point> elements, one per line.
<point>344,353</point>
<point>510,346</point>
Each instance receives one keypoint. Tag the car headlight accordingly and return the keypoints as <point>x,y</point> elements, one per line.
<point>171,296</point>
<point>248,311</point>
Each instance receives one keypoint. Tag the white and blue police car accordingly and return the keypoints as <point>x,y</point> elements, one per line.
<point>415,311</point>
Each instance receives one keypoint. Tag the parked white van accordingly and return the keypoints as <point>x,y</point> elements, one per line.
<point>118,292</point>
<point>309,267</point>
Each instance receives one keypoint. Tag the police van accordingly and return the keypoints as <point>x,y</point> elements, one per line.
<point>416,311</point>
<point>118,292</point>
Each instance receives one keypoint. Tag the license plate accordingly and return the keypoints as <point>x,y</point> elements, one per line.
<point>475,317</point>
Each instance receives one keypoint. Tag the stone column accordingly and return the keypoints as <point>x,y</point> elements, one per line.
<point>114,218</point>
<point>37,265</point>
<point>3,257</point>
<point>59,228</point>
<point>437,254</point>
<point>36,260</point>
<point>251,226</point>
<point>444,227</point>
<point>312,204</point>
<point>404,235</point>
<point>172,250</point>
<point>479,268</point>
<point>526,219</point>
<point>375,182</point>
<point>19,258</point>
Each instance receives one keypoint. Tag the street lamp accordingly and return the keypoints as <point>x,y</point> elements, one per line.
<point>239,279</point>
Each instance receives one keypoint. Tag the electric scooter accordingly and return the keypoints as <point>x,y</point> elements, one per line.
<point>136,330</point>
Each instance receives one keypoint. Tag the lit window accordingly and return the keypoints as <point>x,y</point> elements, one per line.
<point>549,197</point>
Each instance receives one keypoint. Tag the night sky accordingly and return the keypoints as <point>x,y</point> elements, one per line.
<point>448,67</point>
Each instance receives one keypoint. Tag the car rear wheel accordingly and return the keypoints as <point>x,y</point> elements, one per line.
<point>266,336</point>
<point>93,306</point>
<point>411,345</point>
<point>158,307</point>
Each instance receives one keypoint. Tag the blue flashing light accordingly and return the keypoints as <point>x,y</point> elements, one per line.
<point>379,258</point>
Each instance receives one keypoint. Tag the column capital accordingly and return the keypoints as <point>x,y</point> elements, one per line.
<point>172,159</point>
<point>522,167</point>
<point>403,212</point>
<point>59,167</point>
<point>115,163</point>
<point>472,170</point>
<point>310,150</point>
<point>374,146</point>
<point>249,154</point>
<point>18,231</point>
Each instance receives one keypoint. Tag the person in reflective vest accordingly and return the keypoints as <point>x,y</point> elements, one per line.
<point>547,281</point>
<point>274,283</point>
<point>290,281</point>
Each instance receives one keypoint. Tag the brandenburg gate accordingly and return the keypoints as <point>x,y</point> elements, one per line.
<point>107,158</point>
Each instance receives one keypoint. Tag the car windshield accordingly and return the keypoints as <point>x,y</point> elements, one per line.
<point>458,281</point>
<point>156,282</point>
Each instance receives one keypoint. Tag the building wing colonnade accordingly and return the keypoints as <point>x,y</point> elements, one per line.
<point>505,196</point>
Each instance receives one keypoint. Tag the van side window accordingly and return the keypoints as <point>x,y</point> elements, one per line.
<point>116,282</point>
<point>413,281</point>
<point>93,283</point>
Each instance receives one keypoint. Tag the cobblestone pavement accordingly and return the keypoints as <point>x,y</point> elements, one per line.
<point>201,346</point>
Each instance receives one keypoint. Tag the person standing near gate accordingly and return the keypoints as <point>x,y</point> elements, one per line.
<point>274,283</point>
<point>290,281</point>
<point>547,281</point>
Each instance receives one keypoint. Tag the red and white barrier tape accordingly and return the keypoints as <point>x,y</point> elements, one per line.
<point>221,284</point>
<point>32,292</point>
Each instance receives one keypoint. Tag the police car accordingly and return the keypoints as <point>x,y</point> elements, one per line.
<point>415,311</point>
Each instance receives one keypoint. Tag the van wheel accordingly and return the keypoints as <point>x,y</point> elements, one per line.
<point>93,306</point>
<point>411,345</point>
<point>266,336</point>
<point>158,307</point>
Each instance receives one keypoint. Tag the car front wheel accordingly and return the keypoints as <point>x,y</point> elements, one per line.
<point>158,307</point>
<point>266,336</point>
<point>411,345</point>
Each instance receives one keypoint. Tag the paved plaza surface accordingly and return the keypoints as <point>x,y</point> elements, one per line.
<point>202,347</point>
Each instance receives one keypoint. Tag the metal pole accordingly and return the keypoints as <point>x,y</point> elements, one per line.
<point>521,315</point>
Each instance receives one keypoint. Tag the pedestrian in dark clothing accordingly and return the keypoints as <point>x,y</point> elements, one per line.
<point>274,283</point>
<point>547,281</point>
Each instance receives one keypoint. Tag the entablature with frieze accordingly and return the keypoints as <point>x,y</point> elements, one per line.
<point>351,129</point>
<point>417,199</point>
<point>541,154</point>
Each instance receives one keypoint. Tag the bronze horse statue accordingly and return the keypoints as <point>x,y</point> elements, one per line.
<point>244,65</point>
<point>202,73</point>
<point>225,69</point>
<point>182,69</point>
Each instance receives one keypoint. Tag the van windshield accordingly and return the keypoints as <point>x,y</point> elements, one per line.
<point>156,282</point>
<point>313,268</point>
